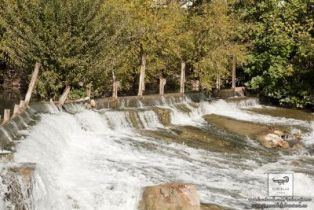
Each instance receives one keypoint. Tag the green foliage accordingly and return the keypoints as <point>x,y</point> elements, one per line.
<point>66,37</point>
<point>96,41</point>
<point>281,61</point>
<point>215,31</point>
<point>48,82</point>
<point>2,30</point>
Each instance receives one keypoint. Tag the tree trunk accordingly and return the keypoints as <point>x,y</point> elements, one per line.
<point>182,77</point>
<point>234,73</point>
<point>141,86</point>
<point>162,83</point>
<point>32,84</point>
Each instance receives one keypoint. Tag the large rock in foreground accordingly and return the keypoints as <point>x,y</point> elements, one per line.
<point>170,197</point>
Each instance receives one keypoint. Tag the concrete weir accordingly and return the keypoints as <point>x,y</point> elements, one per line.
<point>13,131</point>
<point>103,154</point>
<point>149,100</point>
<point>18,177</point>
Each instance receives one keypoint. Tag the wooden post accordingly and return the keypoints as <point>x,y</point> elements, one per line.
<point>182,77</point>
<point>32,84</point>
<point>141,85</point>
<point>16,110</point>
<point>162,83</point>
<point>22,104</point>
<point>6,116</point>
<point>218,81</point>
<point>64,96</point>
<point>234,73</point>
<point>115,88</point>
<point>89,91</point>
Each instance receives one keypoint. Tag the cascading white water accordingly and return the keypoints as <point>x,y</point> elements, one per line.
<point>235,111</point>
<point>97,160</point>
<point>120,119</point>
<point>149,120</point>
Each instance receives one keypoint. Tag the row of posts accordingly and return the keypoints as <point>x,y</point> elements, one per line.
<point>162,83</point>
<point>18,108</point>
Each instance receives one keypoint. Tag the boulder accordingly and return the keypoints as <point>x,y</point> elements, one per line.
<point>273,140</point>
<point>172,196</point>
<point>297,135</point>
<point>279,133</point>
<point>93,103</point>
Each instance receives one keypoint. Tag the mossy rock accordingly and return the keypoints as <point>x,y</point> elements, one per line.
<point>133,117</point>
<point>198,138</point>
<point>212,207</point>
<point>183,108</point>
<point>255,131</point>
<point>163,115</point>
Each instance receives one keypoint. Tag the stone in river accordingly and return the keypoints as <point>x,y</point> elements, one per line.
<point>171,196</point>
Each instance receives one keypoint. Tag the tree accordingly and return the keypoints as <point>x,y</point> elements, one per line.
<point>97,42</point>
<point>150,31</point>
<point>281,61</point>
<point>178,43</point>
<point>66,37</point>
<point>215,32</point>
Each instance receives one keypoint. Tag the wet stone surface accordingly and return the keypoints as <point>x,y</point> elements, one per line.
<point>18,182</point>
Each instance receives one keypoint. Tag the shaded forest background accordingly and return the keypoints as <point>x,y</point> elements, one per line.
<point>94,42</point>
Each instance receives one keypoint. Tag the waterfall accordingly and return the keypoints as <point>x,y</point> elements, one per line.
<point>149,119</point>
<point>119,120</point>
<point>101,160</point>
<point>238,111</point>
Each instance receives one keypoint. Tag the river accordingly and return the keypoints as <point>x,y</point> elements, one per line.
<point>102,160</point>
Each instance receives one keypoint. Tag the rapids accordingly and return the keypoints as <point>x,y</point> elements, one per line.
<point>101,160</point>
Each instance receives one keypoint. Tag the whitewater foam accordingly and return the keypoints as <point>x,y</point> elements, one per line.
<point>97,160</point>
